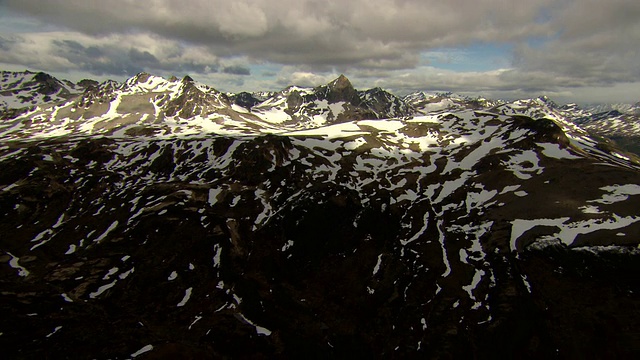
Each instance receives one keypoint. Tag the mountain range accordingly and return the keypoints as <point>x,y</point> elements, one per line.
<point>151,99</point>
<point>161,218</point>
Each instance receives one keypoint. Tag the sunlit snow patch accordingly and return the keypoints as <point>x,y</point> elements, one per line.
<point>554,151</point>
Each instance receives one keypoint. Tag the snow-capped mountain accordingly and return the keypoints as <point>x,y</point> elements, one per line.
<point>629,109</point>
<point>426,103</point>
<point>25,89</point>
<point>156,105</point>
<point>335,102</point>
<point>162,218</point>
<point>620,124</point>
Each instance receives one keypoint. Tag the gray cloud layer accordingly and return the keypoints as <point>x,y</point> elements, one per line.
<point>371,33</point>
<point>558,44</point>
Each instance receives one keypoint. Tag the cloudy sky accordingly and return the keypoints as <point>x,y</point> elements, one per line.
<point>585,51</point>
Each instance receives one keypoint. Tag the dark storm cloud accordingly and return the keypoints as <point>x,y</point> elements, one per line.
<point>236,70</point>
<point>74,50</point>
<point>104,60</point>
<point>195,68</point>
<point>118,55</point>
<point>144,58</point>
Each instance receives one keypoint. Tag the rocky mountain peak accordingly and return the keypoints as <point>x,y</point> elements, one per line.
<point>544,99</point>
<point>341,83</point>
<point>86,83</point>
<point>44,78</point>
<point>339,90</point>
<point>141,77</point>
<point>47,84</point>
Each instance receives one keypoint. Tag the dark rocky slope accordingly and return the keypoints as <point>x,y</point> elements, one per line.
<point>467,235</point>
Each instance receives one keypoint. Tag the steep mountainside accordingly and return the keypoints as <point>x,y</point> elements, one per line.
<point>164,219</point>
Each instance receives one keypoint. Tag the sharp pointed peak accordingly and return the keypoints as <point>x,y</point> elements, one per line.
<point>341,82</point>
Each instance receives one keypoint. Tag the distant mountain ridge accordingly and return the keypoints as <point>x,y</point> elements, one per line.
<point>294,107</point>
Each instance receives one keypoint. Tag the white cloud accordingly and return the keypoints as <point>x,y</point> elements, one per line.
<point>241,19</point>
<point>289,76</point>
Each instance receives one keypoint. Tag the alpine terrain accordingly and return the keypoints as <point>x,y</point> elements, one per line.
<point>161,219</point>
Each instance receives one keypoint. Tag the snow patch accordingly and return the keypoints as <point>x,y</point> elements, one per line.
<point>187,296</point>
<point>109,229</point>
<point>554,151</point>
<point>197,318</point>
<point>213,195</point>
<point>377,267</point>
<point>14,263</point>
<point>287,246</point>
<point>143,350</point>
<point>617,193</point>
<point>474,283</point>
<point>54,331</point>
<point>589,209</point>
<point>102,289</point>
<point>568,231</point>
<point>72,249</point>
<point>217,255</point>
<point>259,329</point>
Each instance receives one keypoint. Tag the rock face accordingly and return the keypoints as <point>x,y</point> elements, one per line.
<point>501,233</point>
